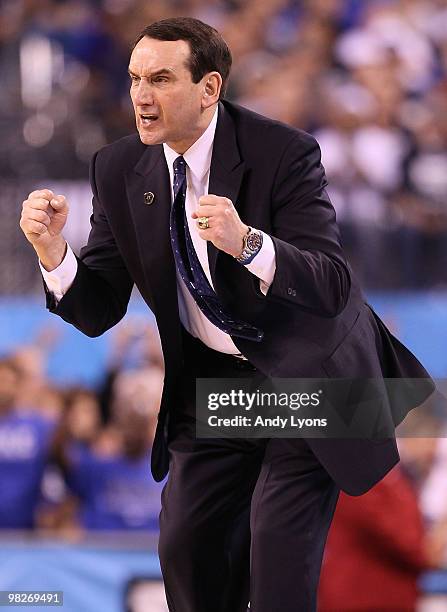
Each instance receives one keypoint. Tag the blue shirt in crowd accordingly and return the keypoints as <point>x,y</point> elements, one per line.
<point>24,445</point>
<point>115,492</point>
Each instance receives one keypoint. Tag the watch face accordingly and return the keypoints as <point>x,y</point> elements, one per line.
<point>254,241</point>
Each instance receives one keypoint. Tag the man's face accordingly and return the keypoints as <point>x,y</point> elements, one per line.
<point>168,106</point>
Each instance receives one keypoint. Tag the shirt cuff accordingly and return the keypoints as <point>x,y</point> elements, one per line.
<point>264,264</point>
<point>61,278</point>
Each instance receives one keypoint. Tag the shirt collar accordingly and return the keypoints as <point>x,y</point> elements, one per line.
<point>198,156</point>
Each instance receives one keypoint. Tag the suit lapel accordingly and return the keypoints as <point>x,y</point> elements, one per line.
<point>227,170</point>
<point>151,222</point>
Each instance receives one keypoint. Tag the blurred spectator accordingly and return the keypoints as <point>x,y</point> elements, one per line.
<point>35,391</point>
<point>433,489</point>
<point>425,460</point>
<point>107,470</point>
<point>82,416</point>
<point>391,535</point>
<point>375,550</point>
<point>135,347</point>
<point>25,437</point>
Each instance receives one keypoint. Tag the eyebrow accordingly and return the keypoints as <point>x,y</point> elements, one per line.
<point>156,73</point>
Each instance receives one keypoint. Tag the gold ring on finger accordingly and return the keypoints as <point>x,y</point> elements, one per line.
<point>203,223</point>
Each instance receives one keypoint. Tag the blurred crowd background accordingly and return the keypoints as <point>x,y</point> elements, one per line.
<point>369,79</point>
<point>75,459</point>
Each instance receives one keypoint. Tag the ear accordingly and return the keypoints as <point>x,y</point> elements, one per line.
<point>212,84</point>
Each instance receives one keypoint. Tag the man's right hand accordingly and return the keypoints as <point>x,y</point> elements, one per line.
<point>43,218</point>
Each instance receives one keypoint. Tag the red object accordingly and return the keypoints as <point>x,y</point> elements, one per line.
<point>374,552</point>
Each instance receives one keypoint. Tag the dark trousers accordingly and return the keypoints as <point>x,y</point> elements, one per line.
<point>243,520</point>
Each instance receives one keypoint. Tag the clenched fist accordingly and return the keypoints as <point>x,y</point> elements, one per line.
<point>43,218</point>
<point>226,231</point>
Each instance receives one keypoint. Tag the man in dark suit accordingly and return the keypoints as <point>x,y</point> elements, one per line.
<point>221,218</point>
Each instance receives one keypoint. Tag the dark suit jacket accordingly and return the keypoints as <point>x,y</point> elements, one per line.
<point>314,318</point>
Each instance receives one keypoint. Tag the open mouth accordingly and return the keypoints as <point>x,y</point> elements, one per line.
<point>148,119</point>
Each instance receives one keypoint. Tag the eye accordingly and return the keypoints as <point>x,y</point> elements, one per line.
<point>134,79</point>
<point>160,79</point>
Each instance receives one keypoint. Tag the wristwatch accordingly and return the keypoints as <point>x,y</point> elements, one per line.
<point>252,245</point>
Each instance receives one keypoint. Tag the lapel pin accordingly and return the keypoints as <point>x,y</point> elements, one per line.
<point>149,198</point>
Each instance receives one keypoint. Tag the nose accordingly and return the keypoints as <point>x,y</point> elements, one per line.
<point>143,95</point>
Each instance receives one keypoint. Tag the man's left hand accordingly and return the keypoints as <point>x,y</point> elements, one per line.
<point>226,231</point>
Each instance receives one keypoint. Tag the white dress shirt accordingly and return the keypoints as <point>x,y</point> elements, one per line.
<point>198,161</point>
